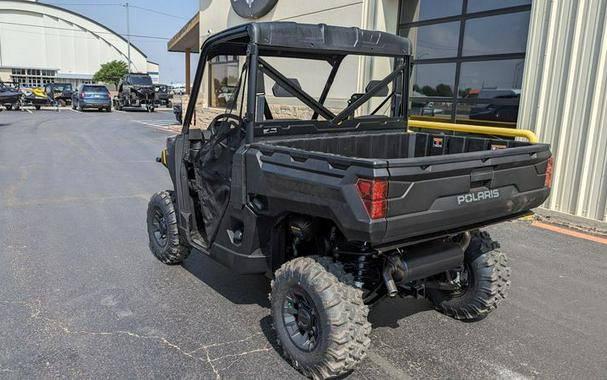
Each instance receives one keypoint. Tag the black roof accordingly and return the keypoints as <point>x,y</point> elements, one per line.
<point>305,40</point>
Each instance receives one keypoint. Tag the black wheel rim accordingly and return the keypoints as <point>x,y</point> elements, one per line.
<point>159,228</point>
<point>301,319</point>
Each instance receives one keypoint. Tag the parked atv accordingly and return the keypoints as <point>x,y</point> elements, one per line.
<point>10,96</point>
<point>162,97</point>
<point>60,93</point>
<point>340,209</point>
<point>135,91</point>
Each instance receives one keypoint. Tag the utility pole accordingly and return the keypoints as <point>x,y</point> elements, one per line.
<point>128,33</point>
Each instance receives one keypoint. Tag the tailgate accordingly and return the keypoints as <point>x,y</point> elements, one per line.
<point>440,193</point>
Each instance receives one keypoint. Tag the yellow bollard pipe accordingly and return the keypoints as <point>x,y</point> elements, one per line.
<point>477,129</point>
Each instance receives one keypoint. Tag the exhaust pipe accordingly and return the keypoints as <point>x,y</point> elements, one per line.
<point>421,261</point>
<point>394,269</point>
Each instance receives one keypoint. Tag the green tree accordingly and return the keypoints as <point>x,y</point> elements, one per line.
<point>111,72</point>
<point>429,91</point>
<point>444,90</point>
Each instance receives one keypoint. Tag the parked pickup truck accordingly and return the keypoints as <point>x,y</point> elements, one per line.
<point>339,207</point>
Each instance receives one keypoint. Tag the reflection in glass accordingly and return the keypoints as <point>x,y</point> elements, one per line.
<point>223,77</point>
<point>500,34</point>
<point>434,41</point>
<point>422,106</point>
<point>435,79</point>
<point>491,79</point>
<point>418,10</point>
<point>485,5</point>
<point>502,115</point>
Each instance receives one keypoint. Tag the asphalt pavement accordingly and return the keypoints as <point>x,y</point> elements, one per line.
<point>81,296</point>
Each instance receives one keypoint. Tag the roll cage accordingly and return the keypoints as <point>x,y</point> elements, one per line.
<point>306,41</point>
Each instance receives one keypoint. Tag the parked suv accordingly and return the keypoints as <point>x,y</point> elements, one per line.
<point>92,96</point>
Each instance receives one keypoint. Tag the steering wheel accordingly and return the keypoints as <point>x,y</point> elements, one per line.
<point>234,121</point>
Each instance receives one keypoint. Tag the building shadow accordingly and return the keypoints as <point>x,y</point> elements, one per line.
<point>239,289</point>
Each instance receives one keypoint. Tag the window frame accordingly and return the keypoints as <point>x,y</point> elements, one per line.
<point>460,58</point>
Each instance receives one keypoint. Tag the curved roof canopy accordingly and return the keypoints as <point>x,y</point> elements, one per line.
<point>306,41</point>
<point>63,39</point>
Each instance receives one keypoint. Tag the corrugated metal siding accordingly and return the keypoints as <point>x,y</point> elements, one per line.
<point>565,100</point>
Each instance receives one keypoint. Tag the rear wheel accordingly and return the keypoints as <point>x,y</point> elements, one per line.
<point>165,242</point>
<point>479,286</point>
<point>319,317</point>
<point>8,107</point>
<point>37,107</point>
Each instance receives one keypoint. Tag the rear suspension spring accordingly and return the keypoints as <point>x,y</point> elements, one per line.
<point>361,271</point>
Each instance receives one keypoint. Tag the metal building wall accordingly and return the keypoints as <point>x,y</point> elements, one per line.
<point>565,100</point>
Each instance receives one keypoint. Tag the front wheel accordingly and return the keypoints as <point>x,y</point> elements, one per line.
<point>165,242</point>
<point>480,285</point>
<point>319,317</point>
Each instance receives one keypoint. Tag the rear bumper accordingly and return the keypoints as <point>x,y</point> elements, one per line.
<point>447,214</point>
<point>97,103</point>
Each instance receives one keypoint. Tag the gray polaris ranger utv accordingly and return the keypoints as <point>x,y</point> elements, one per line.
<point>339,208</point>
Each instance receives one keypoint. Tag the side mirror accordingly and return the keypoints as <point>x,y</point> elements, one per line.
<point>383,92</point>
<point>280,92</point>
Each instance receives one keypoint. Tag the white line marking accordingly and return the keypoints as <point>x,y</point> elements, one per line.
<point>164,128</point>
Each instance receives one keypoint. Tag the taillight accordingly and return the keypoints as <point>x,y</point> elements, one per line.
<point>374,194</point>
<point>549,172</point>
<point>82,94</point>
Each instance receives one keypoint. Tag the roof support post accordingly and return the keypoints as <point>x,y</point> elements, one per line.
<point>249,119</point>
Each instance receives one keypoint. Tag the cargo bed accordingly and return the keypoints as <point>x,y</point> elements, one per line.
<point>437,183</point>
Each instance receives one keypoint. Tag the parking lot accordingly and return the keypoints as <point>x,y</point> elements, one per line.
<point>81,296</point>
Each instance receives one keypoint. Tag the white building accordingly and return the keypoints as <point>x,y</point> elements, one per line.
<point>539,65</point>
<point>41,43</point>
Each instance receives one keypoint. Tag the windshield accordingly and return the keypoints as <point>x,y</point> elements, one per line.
<point>95,89</point>
<point>141,80</point>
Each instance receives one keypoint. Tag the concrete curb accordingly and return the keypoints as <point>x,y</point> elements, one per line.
<point>589,226</point>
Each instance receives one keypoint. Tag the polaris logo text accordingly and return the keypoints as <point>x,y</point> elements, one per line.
<point>477,197</point>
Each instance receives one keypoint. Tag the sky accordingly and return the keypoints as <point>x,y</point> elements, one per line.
<point>162,27</point>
